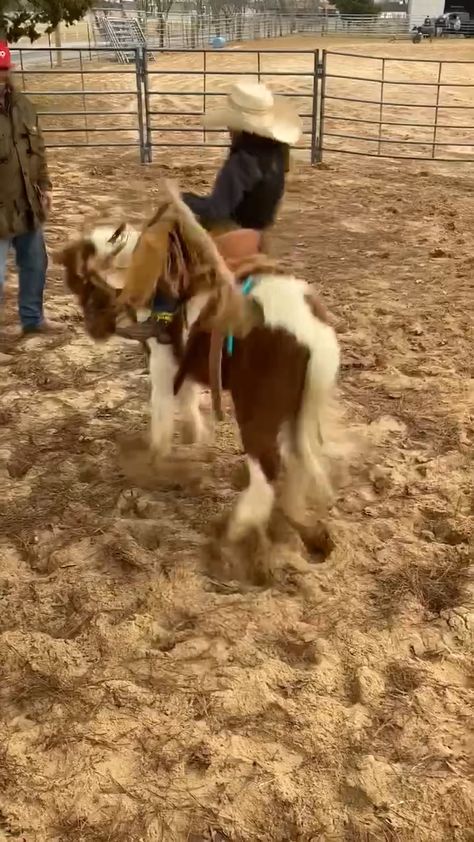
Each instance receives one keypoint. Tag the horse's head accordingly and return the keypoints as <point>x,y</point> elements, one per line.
<point>94,265</point>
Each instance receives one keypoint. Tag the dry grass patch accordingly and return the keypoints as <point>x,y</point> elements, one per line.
<point>437,586</point>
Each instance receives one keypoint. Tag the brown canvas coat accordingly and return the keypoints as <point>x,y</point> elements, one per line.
<point>23,169</point>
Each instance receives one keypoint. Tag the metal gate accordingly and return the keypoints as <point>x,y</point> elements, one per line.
<point>351,103</point>
<point>396,108</point>
<point>157,98</point>
<point>167,80</point>
<point>76,110</point>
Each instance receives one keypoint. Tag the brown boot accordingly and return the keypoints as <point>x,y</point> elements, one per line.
<point>46,328</point>
<point>141,331</point>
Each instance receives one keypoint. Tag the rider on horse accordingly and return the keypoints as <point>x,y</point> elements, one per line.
<point>251,183</point>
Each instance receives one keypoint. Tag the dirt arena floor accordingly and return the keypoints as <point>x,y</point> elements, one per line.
<point>147,693</point>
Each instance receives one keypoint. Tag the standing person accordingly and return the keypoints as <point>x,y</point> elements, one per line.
<point>25,198</point>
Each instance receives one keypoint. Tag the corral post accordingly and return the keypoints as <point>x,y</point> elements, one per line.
<point>436,113</point>
<point>204,86</point>
<point>139,70</point>
<point>314,111</point>
<point>316,115</point>
<point>50,53</point>
<point>382,91</point>
<point>83,89</point>
<point>89,40</point>
<point>22,70</point>
<point>146,93</point>
<point>322,105</point>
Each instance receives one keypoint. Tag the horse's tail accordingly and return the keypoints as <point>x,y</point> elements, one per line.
<point>321,372</point>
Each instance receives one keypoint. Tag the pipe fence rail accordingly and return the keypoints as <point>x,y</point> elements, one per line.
<point>396,108</point>
<point>169,127</point>
<point>118,98</point>
<point>193,31</point>
<point>351,104</point>
<point>197,32</point>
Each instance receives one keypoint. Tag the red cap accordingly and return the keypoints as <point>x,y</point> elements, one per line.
<point>5,56</point>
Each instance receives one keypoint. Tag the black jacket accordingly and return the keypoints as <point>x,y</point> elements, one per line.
<point>248,188</point>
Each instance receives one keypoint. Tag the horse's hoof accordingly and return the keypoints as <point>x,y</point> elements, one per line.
<point>317,540</point>
<point>158,452</point>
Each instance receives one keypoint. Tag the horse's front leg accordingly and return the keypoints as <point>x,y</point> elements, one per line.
<point>163,368</point>
<point>195,430</point>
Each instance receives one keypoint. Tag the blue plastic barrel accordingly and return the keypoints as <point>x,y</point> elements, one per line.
<point>218,42</point>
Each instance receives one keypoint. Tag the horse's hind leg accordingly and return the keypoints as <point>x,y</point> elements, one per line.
<point>195,430</point>
<point>255,503</point>
<point>295,493</point>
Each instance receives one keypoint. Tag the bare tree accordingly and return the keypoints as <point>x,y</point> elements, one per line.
<point>30,18</point>
<point>159,9</point>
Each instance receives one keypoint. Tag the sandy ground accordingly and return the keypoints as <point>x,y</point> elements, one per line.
<point>149,694</point>
<point>146,694</point>
<point>180,91</point>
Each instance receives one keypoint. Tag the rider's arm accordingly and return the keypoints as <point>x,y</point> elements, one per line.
<point>239,174</point>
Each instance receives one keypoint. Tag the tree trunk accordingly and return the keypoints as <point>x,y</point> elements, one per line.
<point>57,44</point>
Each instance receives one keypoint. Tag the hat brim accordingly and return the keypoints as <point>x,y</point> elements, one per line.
<point>282,123</point>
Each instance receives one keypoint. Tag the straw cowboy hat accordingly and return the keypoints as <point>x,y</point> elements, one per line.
<point>251,107</point>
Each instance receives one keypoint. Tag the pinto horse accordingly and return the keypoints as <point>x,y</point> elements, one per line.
<point>280,367</point>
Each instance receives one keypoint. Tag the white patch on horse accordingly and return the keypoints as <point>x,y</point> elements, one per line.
<point>194,308</point>
<point>142,314</point>
<point>284,304</point>
<point>163,369</point>
<point>254,505</point>
<point>189,401</point>
<point>123,246</point>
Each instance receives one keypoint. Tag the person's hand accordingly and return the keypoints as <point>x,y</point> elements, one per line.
<point>47,201</point>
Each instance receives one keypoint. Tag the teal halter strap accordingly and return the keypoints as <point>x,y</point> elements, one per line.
<point>246,289</point>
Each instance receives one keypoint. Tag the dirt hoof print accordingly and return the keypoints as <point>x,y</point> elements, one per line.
<point>239,477</point>
<point>318,541</point>
<point>255,558</point>
<point>247,559</point>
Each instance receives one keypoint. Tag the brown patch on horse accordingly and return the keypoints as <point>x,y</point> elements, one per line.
<point>272,357</point>
<point>229,312</point>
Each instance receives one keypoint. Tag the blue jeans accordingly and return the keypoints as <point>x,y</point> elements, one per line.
<point>32,263</point>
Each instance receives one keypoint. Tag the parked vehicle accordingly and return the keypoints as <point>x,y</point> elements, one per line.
<point>452,23</point>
